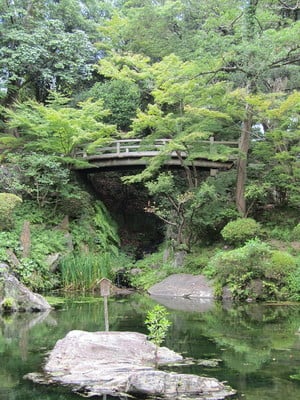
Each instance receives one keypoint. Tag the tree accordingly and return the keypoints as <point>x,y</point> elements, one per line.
<point>185,116</point>
<point>278,152</point>
<point>42,178</point>
<point>256,68</point>
<point>47,45</point>
<point>57,128</point>
<point>189,214</point>
<point>157,324</point>
<point>121,97</point>
<point>250,46</point>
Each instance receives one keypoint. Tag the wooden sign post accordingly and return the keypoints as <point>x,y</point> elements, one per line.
<point>105,285</point>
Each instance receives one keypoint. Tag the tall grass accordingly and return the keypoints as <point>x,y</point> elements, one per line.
<point>83,271</point>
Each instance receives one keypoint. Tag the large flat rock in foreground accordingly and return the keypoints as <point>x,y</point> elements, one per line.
<point>184,285</point>
<point>118,363</point>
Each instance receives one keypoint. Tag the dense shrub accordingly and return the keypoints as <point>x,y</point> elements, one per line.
<point>228,266</point>
<point>253,265</point>
<point>241,230</point>
<point>282,233</point>
<point>280,265</point>
<point>293,284</point>
<point>8,202</point>
<point>150,270</point>
<point>194,263</point>
<point>296,232</point>
<point>8,240</point>
<point>35,275</point>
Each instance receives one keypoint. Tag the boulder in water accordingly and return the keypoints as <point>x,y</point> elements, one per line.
<point>115,363</point>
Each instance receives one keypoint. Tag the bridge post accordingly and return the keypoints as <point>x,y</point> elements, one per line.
<point>118,148</point>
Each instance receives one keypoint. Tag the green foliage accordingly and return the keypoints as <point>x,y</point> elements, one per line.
<point>241,230</point>
<point>96,254</point>
<point>9,178</point>
<point>281,265</point>
<point>34,271</point>
<point>198,259</point>
<point>57,128</point>
<point>296,232</point>
<point>94,231</point>
<point>278,152</point>
<point>293,283</point>
<point>46,181</point>
<point>282,233</point>
<point>255,265</point>
<point>232,264</point>
<point>193,214</point>
<point>43,48</point>
<point>8,240</point>
<point>42,178</point>
<point>8,304</point>
<point>31,212</point>
<point>157,324</point>
<point>45,241</point>
<point>35,275</point>
<point>196,70</point>
<point>211,208</point>
<point>121,97</point>
<point>106,229</point>
<point>150,270</point>
<point>8,203</point>
<point>83,272</point>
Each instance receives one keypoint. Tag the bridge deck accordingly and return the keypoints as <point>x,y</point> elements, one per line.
<point>134,152</point>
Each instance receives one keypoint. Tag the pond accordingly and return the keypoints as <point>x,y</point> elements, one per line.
<point>258,345</point>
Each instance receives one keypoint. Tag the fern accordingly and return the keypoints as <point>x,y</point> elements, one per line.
<point>106,229</point>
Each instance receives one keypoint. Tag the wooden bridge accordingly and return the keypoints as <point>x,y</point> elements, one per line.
<point>135,152</point>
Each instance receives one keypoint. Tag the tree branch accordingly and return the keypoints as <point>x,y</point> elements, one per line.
<point>288,7</point>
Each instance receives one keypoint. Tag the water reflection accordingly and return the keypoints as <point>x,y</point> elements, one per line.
<point>190,304</point>
<point>259,345</point>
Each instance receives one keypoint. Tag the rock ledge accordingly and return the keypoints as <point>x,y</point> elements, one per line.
<point>20,298</point>
<point>183,285</point>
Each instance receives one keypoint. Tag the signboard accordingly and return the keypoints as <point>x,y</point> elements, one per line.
<point>105,285</point>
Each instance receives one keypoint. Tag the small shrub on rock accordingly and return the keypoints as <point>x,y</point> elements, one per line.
<point>240,231</point>
<point>8,305</point>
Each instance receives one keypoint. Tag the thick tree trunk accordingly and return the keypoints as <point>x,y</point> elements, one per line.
<point>242,162</point>
<point>249,21</point>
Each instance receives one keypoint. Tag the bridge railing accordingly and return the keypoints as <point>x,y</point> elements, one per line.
<point>138,147</point>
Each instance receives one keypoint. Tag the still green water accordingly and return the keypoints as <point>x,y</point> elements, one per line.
<point>258,345</point>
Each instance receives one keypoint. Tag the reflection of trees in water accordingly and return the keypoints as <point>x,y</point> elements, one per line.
<point>246,337</point>
<point>250,334</point>
<point>87,313</point>
<point>16,327</point>
<point>16,344</point>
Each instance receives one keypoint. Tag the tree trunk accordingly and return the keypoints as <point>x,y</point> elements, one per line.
<point>242,162</point>
<point>249,21</point>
